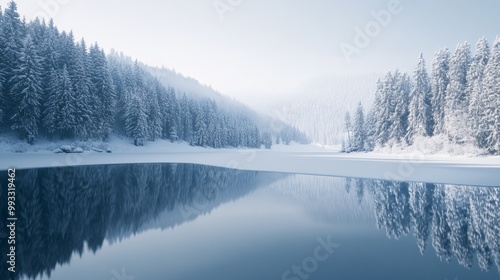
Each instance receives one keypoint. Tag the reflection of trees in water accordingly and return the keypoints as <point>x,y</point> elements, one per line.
<point>392,208</point>
<point>462,221</point>
<point>62,210</point>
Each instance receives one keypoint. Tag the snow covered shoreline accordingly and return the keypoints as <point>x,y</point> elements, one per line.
<point>301,159</point>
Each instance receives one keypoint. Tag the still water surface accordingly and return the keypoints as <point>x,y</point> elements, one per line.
<point>181,221</point>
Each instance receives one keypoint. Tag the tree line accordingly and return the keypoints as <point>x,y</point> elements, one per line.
<point>460,100</point>
<point>52,86</point>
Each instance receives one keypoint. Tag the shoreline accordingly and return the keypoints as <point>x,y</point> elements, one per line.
<point>457,170</point>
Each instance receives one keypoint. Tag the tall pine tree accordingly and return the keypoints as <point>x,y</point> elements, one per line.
<point>200,127</point>
<point>370,131</point>
<point>348,130</point>
<point>103,90</point>
<point>439,83</point>
<point>475,77</point>
<point>136,117</point>
<point>11,42</point>
<point>50,62</point>
<point>377,115</point>
<point>420,114</point>
<point>26,92</point>
<point>80,79</point>
<point>62,106</point>
<point>359,135</point>
<point>490,119</point>
<point>456,105</point>
<point>400,94</point>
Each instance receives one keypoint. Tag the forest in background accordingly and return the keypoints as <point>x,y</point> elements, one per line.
<point>52,86</point>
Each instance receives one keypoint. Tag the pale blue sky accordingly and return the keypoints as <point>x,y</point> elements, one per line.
<point>267,47</point>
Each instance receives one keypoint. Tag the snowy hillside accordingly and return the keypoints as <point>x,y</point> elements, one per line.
<point>184,84</point>
<point>53,86</point>
<point>171,78</point>
<point>319,108</point>
<point>192,88</point>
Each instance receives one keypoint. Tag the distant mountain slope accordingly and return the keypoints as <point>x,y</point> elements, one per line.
<point>193,89</point>
<point>319,108</point>
<point>183,84</point>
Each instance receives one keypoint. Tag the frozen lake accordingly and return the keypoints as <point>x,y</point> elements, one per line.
<point>460,170</point>
<point>184,221</point>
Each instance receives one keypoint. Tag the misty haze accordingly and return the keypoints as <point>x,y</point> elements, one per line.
<point>234,139</point>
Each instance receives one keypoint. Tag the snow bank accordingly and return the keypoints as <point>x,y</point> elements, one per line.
<point>436,145</point>
<point>300,159</point>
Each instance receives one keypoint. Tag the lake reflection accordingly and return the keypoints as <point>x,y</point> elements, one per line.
<point>180,221</point>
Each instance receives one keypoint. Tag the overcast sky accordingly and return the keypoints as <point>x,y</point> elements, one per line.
<point>261,47</point>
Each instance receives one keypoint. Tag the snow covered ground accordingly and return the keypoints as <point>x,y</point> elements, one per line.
<point>300,159</point>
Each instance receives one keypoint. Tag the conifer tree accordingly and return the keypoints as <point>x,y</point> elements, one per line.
<point>103,90</point>
<point>489,124</point>
<point>439,83</point>
<point>267,140</point>
<point>399,99</point>
<point>359,135</point>
<point>348,130</point>
<point>200,127</point>
<point>26,91</point>
<point>370,131</point>
<point>420,118</point>
<point>136,118</point>
<point>456,105</point>
<point>475,78</point>
<point>85,105</point>
<point>11,42</point>
<point>63,106</point>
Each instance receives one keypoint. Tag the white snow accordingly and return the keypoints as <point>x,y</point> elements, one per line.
<point>301,159</point>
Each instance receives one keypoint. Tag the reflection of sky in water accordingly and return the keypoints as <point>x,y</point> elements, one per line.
<point>273,221</point>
